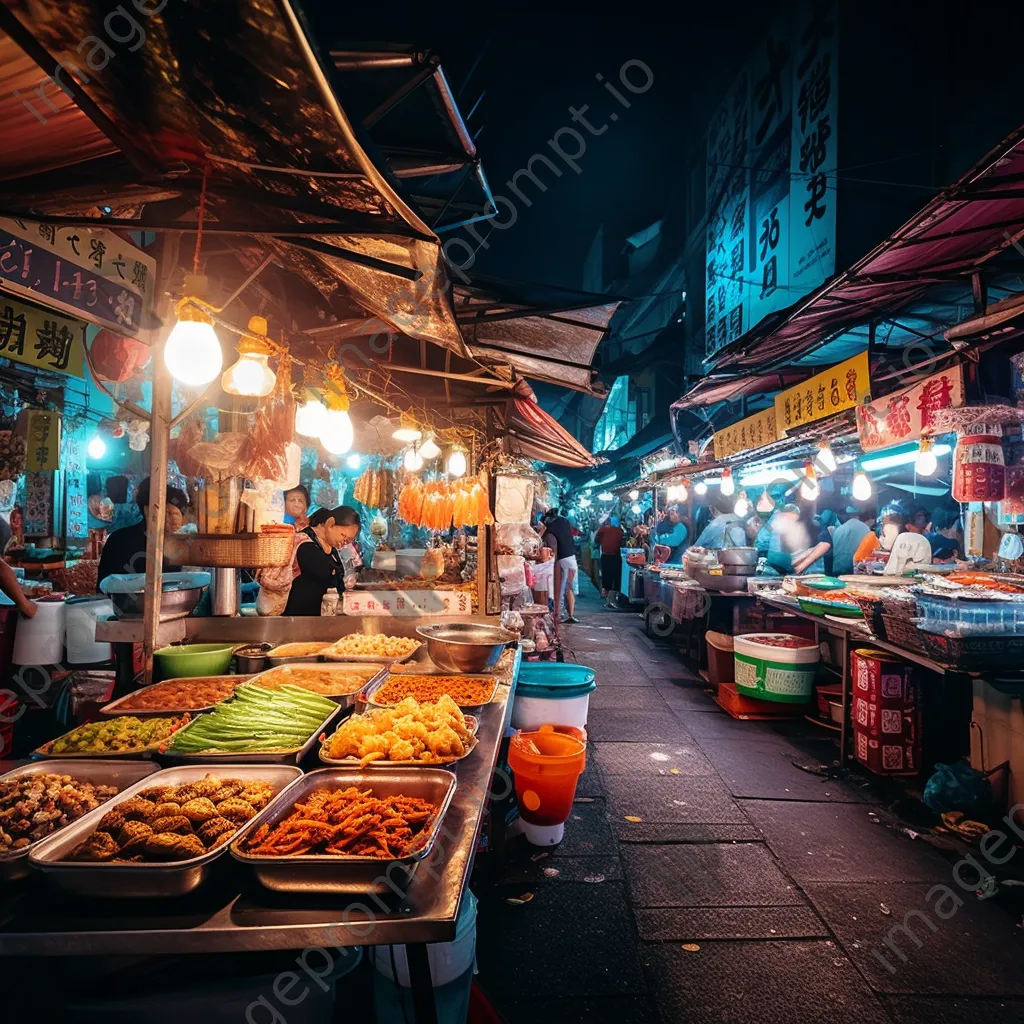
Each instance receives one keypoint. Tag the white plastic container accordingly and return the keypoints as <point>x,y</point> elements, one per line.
<point>81,616</point>
<point>552,693</point>
<point>40,640</point>
<point>448,960</point>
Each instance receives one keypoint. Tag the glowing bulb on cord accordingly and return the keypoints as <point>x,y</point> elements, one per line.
<point>700,488</point>
<point>728,484</point>
<point>309,418</point>
<point>192,352</point>
<point>336,435</point>
<point>354,461</point>
<point>429,449</point>
<point>861,489</point>
<point>683,493</point>
<point>635,509</point>
<point>825,458</point>
<point>457,463</point>
<point>742,506</point>
<point>407,430</point>
<point>926,462</point>
<point>97,448</point>
<point>809,489</point>
<point>634,494</point>
<point>765,503</point>
<point>412,460</point>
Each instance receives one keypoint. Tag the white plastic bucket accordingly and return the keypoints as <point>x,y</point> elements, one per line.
<point>448,960</point>
<point>40,640</point>
<point>82,614</point>
<point>530,713</point>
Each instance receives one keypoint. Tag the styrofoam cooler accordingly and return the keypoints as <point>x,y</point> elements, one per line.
<point>82,614</point>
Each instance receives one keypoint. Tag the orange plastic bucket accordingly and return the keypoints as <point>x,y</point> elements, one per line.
<point>547,765</point>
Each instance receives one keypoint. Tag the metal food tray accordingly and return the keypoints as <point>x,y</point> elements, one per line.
<point>43,753</point>
<point>472,722</point>
<point>133,881</point>
<point>319,873</point>
<point>304,659</point>
<point>366,695</point>
<point>115,707</point>
<point>281,757</point>
<point>15,865</point>
<point>373,659</point>
<point>343,700</point>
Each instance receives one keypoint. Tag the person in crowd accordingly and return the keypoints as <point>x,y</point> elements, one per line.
<point>317,564</point>
<point>296,507</point>
<point>945,537</point>
<point>125,550</point>
<point>847,536</point>
<point>675,536</point>
<point>828,520</point>
<point>799,544</point>
<point>893,520</point>
<point>11,588</point>
<point>610,539</point>
<point>919,521</point>
<point>556,524</point>
<point>726,529</point>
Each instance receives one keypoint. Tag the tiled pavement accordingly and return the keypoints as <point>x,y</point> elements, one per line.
<point>705,877</point>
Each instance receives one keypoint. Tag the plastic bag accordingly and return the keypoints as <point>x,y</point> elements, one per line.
<point>958,787</point>
<point>511,574</point>
<point>517,539</point>
<point>226,456</point>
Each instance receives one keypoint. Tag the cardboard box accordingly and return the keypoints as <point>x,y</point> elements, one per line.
<point>882,679</point>
<point>878,720</point>
<point>887,755</point>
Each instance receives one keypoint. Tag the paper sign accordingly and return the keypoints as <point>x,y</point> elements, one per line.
<point>38,504</point>
<point>752,432</point>
<point>72,463</point>
<point>907,414</point>
<point>843,386</point>
<point>407,603</point>
<point>42,438</point>
<point>40,338</point>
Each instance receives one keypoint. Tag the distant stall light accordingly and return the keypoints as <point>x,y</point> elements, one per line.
<point>635,509</point>
<point>926,463</point>
<point>825,459</point>
<point>634,494</point>
<point>606,496</point>
<point>727,484</point>
<point>97,448</point>
<point>354,461</point>
<point>901,458</point>
<point>861,489</point>
<point>700,487</point>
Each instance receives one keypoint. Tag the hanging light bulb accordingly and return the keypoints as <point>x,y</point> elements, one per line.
<point>683,493</point>
<point>251,376</point>
<point>412,461</point>
<point>728,484</point>
<point>354,461</point>
<point>407,431</point>
<point>742,506</point>
<point>309,417</point>
<point>457,461</point>
<point>635,509</point>
<point>861,489</point>
<point>700,488</point>
<point>337,433</point>
<point>634,494</point>
<point>97,448</point>
<point>926,462</point>
<point>429,449</point>
<point>825,459</point>
<point>765,503</point>
<point>192,352</point>
<point>809,489</point>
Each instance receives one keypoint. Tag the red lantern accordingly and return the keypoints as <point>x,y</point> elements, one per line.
<point>117,359</point>
<point>979,473</point>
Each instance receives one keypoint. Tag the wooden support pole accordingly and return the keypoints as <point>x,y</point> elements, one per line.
<point>160,436</point>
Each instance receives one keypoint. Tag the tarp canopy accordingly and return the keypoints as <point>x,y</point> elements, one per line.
<point>536,435</point>
<point>958,231</point>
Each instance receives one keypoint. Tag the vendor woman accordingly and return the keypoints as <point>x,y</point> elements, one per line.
<point>317,562</point>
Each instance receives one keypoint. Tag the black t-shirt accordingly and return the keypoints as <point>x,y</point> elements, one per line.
<point>125,552</point>
<point>318,571</point>
<point>561,529</point>
<point>943,546</point>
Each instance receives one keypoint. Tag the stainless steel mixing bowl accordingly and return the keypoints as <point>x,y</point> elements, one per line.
<point>465,646</point>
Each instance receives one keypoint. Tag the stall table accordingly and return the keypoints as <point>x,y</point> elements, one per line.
<point>237,915</point>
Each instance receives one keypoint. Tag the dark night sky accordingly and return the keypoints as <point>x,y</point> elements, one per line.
<point>540,59</point>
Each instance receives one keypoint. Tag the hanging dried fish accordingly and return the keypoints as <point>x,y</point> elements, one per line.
<point>274,428</point>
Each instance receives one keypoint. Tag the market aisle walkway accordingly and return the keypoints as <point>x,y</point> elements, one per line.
<point>704,877</point>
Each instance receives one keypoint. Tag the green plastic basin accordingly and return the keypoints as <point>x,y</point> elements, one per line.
<point>190,660</point>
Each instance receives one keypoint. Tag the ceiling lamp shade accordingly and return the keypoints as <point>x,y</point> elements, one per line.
<point>310,417</point>
<point>429,449</point>
<point>408,431</point>
<point>336,433</point>
<point>457,462</point>
<point>251,376</point>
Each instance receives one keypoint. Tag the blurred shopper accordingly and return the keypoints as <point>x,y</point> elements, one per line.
<point>610,538</point>
<point>847,536</point>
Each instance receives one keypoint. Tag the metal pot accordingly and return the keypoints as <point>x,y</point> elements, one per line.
<point>738,556</point>
<point>252,658</point>
<point>174,604</point>
<point>465,646</point>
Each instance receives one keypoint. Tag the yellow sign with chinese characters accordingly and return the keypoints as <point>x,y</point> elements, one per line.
<point>843,386</point>
<point>42,439</point>
<point>40,338</point>
<point>752,432</point>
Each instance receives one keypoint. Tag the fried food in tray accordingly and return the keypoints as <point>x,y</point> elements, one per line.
<point>346,823</point>
<point>373,645</point>
<point>466,691</point>
<point>124,735</point>
<point>329,682</point>
<point>181,694</point>
<point>299,650</point>
<point>34,806</point>
<point>409,733</point>
<point>173,823</point>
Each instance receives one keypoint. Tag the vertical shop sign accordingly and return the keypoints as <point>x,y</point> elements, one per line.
<point>73,464</point>
<point>38,504</point>
<point>43,440</point>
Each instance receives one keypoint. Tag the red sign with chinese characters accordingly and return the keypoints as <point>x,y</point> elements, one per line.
<point>907,414</point>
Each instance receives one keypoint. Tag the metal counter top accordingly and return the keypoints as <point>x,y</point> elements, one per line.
<point>234,914</point>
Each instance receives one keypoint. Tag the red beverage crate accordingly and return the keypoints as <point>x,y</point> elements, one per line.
<point>881,721</point>
<point>882,679</point>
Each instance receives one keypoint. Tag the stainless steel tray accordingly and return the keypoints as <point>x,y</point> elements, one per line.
<point>43,752</point>
<point>132,881</point>
<point>353,762</point>
<point>373,659</point>
<point>349,875</point>
<point>344,700</point>
<point>117,707</point>
<point>366,694</point>
<point>281,757</point>
<point>122,774</point>
<point>304,659</point>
